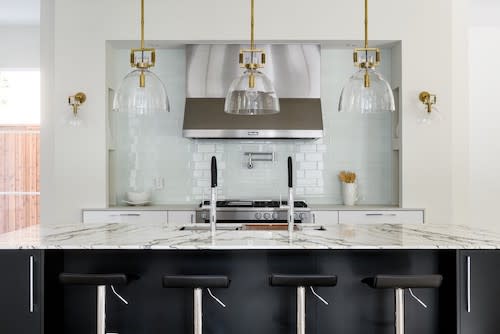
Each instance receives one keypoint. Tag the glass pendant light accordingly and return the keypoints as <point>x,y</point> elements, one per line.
<point>366,91</point>
<point>141,91</point>
<point>252,93</point>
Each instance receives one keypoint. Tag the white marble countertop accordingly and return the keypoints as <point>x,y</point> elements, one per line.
<point>144,236</point>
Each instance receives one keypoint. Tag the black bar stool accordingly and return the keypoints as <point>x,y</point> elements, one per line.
<point>301,282</point>
<point>399,283</point>
<point>100,281</point>
<point>197,283</point>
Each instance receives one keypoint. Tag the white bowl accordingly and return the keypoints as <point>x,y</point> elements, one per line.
<point>138,197</point>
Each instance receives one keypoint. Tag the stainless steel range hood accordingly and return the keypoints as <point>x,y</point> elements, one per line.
<point>295,73</point>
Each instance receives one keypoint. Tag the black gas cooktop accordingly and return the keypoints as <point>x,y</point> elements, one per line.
<point>254,204</point>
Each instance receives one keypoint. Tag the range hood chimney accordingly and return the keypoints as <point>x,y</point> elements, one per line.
<point>295,72</point>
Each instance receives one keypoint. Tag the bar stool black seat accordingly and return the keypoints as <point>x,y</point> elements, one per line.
<point>197,283</point>
<point>101,281</point>
<point>93,279</point>
<point>300,282</point>
<point>399,283</point>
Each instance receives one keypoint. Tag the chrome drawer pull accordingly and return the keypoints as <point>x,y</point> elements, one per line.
<point>126,215</point>
<point>32,303</point>
<point>468,284</point>
<point>381,214</point>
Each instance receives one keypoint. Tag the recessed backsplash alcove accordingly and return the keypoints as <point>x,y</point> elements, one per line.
<point>150,152</point>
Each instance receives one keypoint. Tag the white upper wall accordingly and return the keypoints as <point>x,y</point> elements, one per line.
<point>82,28</point>
<point>20,12</point>
<point>21,46</point>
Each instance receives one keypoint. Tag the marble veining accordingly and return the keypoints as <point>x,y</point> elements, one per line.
<point>155,236</point>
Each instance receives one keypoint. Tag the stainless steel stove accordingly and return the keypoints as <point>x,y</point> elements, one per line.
<point>246,211</point>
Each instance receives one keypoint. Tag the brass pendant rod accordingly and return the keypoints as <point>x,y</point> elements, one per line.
<point>366,23</point>
<point>252,40</point>
<point>142,24</point>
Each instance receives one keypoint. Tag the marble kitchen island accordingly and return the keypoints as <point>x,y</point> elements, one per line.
<point>157,236</point>
<point>352,252</point>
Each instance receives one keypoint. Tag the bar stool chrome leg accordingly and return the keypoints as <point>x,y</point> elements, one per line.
<point>399,283</point>
<point>101,309</point>
<point>301,310</point>
<point>197,310</point>
<point>400,311</point>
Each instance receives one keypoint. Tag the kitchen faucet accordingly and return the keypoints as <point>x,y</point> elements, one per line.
<point>212,206</point>
<point>290,203</point>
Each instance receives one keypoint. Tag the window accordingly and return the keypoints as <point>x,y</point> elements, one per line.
<point>19,149</point>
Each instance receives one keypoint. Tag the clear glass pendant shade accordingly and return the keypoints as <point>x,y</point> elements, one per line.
<point>247,98</point>
<point>130,97</point>
<point>355,97</point>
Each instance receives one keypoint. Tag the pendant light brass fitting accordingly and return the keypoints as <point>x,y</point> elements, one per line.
<point>366,61</point>
<point>76,101</point>
<point>428,100</point>
<point>252,58</point>
<point>142,58</point>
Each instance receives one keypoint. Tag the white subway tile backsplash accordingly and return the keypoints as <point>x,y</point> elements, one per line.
<point>314,190</point>
<point>202,165</point>
<point>206,148</point>
<point>197,156</point>
<point>307,182</point>
<point>309,174</point>
<point>307,148</point>
<point>299,157</point>
<point>321,148</point>
<point>314,156</point>
<point>203,183</point>
<point>308,165</point>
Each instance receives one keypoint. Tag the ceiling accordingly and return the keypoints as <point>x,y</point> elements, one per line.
<point>19,12</point>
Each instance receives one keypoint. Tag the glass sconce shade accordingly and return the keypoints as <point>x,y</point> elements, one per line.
<point>252,94</point>
<point>355,97</point>
<point>426,117</point>
<point>74,120</point>
<point>131,97</point>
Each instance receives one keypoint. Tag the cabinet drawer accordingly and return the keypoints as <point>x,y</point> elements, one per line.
<point>181,217</point>
<point>124,216</point>
<point>325,217</point>
<point>382,217</point>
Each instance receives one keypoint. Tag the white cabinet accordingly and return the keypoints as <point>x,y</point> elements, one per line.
<point>181,217</point>
<point>381,217</point>
<point>325,217</point>
<point>124,216</point>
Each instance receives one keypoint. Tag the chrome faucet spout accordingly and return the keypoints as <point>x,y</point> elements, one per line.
<point>212,206</point>
<point>290,204</point>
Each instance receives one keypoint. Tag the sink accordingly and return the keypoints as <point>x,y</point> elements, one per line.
<point>253,227</point>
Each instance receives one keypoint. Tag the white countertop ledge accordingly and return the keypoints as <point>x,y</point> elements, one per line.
<point>154,236</point>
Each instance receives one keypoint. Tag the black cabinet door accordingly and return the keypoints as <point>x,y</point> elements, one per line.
<point>20,292</point>
<point>479,292</point>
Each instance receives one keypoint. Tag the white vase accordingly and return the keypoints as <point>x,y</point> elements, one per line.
<point>349,193</point>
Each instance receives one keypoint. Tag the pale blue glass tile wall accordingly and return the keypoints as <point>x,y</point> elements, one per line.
<point>154,156</point>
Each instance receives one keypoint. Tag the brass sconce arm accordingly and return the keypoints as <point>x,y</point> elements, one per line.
<point>428,99</point>
<point>76,101</point>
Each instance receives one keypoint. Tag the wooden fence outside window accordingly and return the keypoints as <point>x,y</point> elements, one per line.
<point>19,176</point>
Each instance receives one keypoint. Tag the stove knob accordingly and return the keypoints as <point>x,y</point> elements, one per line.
<point>302,216</point>
<point>295,216</point>
<point>267,216</point>
<point>275,215</point>
<point>204,215</point>
<point>258,215</point>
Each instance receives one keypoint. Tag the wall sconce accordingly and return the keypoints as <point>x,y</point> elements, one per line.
<point>429,112</point>
<point>75,101</point>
